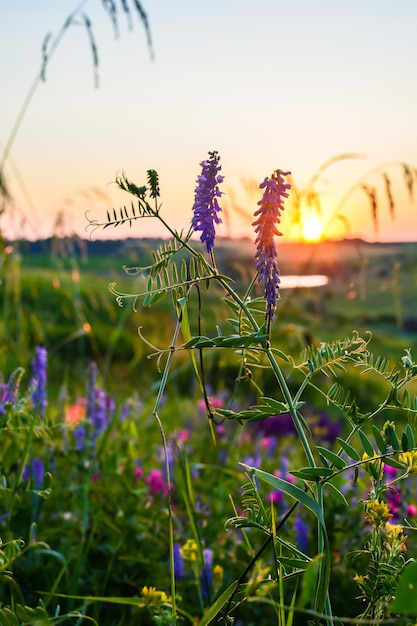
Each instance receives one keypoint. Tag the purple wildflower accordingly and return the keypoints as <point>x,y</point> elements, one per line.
<point>99,404</point>
<point>9,390</point>
<point>178,562</point>
<point>35,470</point>
<point>270,208</point>
<point>207,573</point>
<point>91,388</point>
<point>79,436</point>
<point>301,531</point>
<point>38,471</point>
<point>39,365</point>
<point>99,413</point>
<point>206,206</point>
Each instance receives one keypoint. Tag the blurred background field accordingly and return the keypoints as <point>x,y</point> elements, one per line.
<point>55,293</point>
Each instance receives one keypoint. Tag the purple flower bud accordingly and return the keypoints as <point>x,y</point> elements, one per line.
<point>206,206</point>
<point>269,212</point>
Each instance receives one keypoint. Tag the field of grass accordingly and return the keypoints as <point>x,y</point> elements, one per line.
<point>58,296</point>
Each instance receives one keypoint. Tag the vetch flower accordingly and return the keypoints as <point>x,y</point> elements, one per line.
<point>39,365</point>
<point>268,216</point>
<point>206,206</point>
<point>9,390</point>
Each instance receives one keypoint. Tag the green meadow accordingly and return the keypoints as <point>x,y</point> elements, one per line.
<point>52,289</point>
<point>136,497</point>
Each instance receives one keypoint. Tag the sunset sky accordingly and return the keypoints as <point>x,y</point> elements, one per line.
<point>269,84</point>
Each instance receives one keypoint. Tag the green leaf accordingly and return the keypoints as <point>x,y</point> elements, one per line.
<point>392,437</point>
<point>279,407</point>
<point>379,440</point>
<point>184,271</point>
<point>312,473</point>
<point>310,582</point>
<point>217,606</point>
<point>7,617</point>
<point>350,451</point>
<point>405,601</point>
<point>280,354</point>
<point>156,297</point>
<point>393,463</point>
<point>299,564</point>
<point>367,446</point>
<point>289,489</point>
<point>186,333</point>
<point>336,494</point>
<point>333,458</point>
<point>410,437</point>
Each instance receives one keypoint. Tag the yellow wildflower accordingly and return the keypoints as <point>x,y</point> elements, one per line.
<point>189,551</point>
<point>410,460</point>
<point>377,513</point>
<point>153,597</point>
<point>217,577</point>
<point>394,538</point>
<point>376,464</point>
<point>360,579</point>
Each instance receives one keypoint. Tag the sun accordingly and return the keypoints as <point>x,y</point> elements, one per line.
<point>312,229</point>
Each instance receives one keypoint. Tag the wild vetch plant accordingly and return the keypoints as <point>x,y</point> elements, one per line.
<point>357,477</point>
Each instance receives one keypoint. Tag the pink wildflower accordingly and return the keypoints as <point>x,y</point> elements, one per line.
<point>156,482</point>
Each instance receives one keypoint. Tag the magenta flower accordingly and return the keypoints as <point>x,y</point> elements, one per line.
<point>206,206</point>
<point>156,483</point>
<point>268,216</point>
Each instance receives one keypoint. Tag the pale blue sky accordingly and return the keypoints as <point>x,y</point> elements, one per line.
<point>267,84</point>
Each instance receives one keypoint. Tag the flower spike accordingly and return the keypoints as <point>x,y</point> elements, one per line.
<point>268,216</point>
<point>206,206</point>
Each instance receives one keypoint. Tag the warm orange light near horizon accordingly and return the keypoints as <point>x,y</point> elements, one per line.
<point>312,229</point>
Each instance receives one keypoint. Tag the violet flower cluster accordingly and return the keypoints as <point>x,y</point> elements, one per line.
<point>268,216</point>
<point>206,206</point>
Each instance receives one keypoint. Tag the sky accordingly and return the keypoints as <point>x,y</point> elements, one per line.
<point>268,84</point>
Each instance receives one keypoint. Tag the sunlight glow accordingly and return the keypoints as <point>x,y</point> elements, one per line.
<point>312,229</point>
